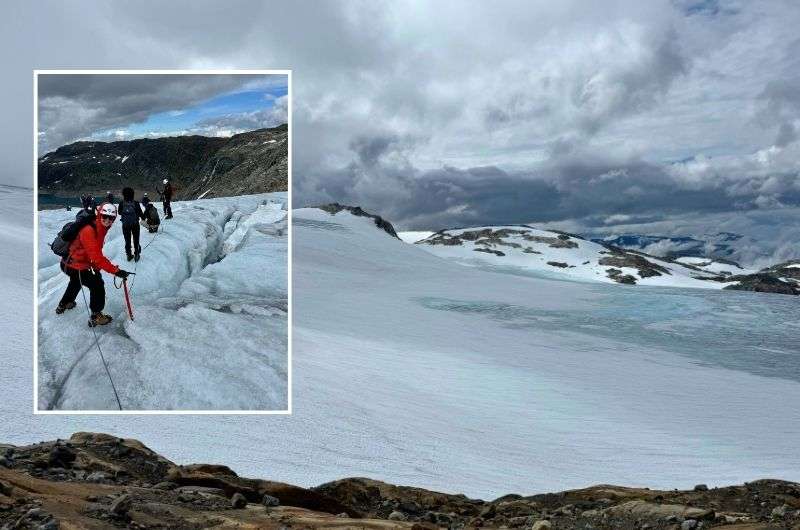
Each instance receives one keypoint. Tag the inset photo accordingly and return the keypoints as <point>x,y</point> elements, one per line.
<point>162,272</point>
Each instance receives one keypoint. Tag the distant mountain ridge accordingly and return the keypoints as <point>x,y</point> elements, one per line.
<point>200,166</point>
<point>717,246</point>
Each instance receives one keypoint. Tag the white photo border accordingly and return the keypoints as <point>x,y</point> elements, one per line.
<point>36,73</point>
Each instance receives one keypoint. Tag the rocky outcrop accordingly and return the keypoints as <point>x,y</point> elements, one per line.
<point>250,162</point>
<point>762,282</point>
<point>634,260</point>
<point>787,271</point>
<point>494,236</point>
<point>101,481</point>
<point>334,208</point>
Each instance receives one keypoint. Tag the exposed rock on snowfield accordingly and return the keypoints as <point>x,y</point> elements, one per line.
<point>146,490</point>
<point>199,166</point>
<point>531,250</point>
<point>334,208</point>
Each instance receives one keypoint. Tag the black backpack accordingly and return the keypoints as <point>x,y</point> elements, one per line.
<point>69,232</point>
<point>152,214</point>
<point>129,212</point>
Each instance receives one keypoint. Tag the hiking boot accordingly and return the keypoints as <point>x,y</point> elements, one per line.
<point>99,319</point>
<point>63,307</point>
<point>130,257</point>
<point>136,257</point>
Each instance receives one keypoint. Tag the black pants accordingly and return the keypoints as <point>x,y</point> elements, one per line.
<point>127,232</point>
<point>90,279</point>
<point>167,208</point>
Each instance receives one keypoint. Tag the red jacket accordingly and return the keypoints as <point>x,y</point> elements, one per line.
<point>87,250</point>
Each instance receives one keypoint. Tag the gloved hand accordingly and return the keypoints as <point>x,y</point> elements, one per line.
<point>122,274</point>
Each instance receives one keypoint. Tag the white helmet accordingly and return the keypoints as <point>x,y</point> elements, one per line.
<point>107,209</point>
<point>165,181</point>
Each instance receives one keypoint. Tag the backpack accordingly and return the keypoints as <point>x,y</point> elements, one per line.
<point>152,214</point>
<point>129,213</point>
<point>68,233</point>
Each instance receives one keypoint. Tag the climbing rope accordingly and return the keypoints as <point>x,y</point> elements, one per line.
<point>97,342</point>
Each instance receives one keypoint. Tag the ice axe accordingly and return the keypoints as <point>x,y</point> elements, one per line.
<point>127,297</point>
<point>127,294</point>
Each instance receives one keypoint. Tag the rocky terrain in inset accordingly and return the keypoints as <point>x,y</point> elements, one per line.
<point>199,166</point>
<point>97,481</point>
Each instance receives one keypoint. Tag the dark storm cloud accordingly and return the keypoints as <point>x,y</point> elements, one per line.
<point>75,106</point>
<point>781,106</point>
<point>572,188</point>
<point>436,115</point>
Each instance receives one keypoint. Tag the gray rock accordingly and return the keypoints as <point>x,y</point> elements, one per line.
<point>397,516</point>
<point>5,488</point>
<point>121,505</point>
<point>238,500</point>
<point>52,524</point>
<point>99,477</point>
<point>165,486</point>
<point>689,524</point>
<point>542,525</point>
<point>201,490</point>
<point>269,501</point>
<point>701,487</point>
<point>61,456</point>
<point>780,511</point>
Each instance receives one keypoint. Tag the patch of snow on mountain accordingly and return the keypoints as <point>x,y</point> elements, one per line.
<point>414,236</point>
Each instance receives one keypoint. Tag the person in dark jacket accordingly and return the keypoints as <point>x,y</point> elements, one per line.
<point>151,219</point>
<point>109,197</point>
<point>166,196</point>
<point>84,263</point>
<point>130,212</point>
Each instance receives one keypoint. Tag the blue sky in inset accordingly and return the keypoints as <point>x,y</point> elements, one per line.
<point>198,118</point>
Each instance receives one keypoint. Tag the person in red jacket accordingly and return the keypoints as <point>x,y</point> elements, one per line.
<point>84,263</point>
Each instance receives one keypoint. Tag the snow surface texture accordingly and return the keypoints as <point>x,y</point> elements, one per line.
<point>210,309</point>
<point>526,250</point>
<point>415,370</point>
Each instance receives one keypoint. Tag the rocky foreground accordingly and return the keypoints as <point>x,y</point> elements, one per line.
<point>100,481</point>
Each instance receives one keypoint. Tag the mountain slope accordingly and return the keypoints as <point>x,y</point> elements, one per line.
<point>246,163</point>
<point>562,255</point>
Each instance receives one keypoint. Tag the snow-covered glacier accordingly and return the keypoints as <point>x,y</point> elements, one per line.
<point>413,369</point>
<point>210,328</point>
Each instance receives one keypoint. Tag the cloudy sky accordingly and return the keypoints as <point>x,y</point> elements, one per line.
<point>439,114</point>
<point>110,107</point>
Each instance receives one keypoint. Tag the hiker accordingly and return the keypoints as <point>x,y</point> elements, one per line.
<point>109,197</point>
<point>166,196</point>
<point>130,211</point>
<point>151,219</point>
<point>84,263</point>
